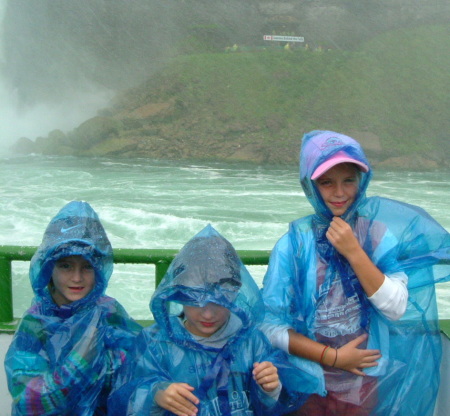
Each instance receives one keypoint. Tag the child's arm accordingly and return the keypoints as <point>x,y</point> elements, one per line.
<point>178,398</point>
<point>266,375</point>
<point>390,296</point>
<point>349,357</point>
<point>341,236</point>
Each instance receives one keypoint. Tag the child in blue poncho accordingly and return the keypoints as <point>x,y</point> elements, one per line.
<point>72,340</point>
<point>350,288</point>
<point>205,355</point>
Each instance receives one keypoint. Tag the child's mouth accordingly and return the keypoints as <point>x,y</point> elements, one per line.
<point>208,324</point>
<point>339,204</point>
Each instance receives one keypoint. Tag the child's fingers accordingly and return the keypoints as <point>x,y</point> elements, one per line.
<point>264,368</point>
<point>371,364</point>
<point>267,379</point>
<point>358,340</point>
<point>266,375</point>
<point>187,394</point>
<point>357,372</point>
<point>270,386</point>
<point>353,359</point>
<point>370,359</point>
<point>178,399</point>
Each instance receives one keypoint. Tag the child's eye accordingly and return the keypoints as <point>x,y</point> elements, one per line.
<point>88,267</point>
<point>63,265</point>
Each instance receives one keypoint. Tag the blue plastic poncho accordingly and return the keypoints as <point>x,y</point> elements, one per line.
<point>307,278</point>
<point>219,367</point>
<point>62,359</point>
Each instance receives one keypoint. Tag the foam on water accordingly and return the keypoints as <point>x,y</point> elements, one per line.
<point>161,204</point>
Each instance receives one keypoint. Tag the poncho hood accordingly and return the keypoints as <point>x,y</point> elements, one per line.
<point>320,146</point>
<point>75,230</point>
<point>207,269</point>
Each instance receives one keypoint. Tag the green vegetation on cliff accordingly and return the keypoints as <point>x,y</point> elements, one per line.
<point>392,94</point>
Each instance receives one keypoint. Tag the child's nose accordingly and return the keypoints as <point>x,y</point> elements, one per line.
<point>339,190</point>
<point>208,311</point>
<point>77,275</point>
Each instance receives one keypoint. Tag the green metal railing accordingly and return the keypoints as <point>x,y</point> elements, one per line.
<point>160,258</point>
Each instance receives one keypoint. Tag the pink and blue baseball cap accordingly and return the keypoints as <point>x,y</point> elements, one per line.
<point>336,159</point>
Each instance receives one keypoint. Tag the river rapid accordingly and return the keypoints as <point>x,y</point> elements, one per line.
<point>162,204</point>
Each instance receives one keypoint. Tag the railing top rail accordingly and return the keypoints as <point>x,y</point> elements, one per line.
<point>145,256</point>
<point>135,255</point>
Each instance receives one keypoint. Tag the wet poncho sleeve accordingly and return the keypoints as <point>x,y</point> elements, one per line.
<point>66,366</point>
<point>142,375</point>
<point>279,290</point>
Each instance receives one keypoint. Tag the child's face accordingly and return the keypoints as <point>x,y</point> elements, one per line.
<point>338,187</point>
<point>73,279</point>
<point>205,321</point>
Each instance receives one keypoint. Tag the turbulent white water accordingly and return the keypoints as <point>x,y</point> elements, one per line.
<point>161,204</point>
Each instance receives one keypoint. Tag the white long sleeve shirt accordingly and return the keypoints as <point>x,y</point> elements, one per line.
<point>390,299</point>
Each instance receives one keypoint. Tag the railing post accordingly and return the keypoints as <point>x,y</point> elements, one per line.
<point>6,305</point>
<point>161,268</point>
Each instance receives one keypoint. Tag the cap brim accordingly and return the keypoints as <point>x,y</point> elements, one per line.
<point>326,166</point>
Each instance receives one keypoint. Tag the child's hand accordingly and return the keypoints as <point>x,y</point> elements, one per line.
<point>266,375</point>
<point>341,236</point>
<point>353,359</point>
<point>178,399</point>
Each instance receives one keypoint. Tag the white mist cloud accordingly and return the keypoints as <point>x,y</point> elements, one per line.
<point>40,119</point>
